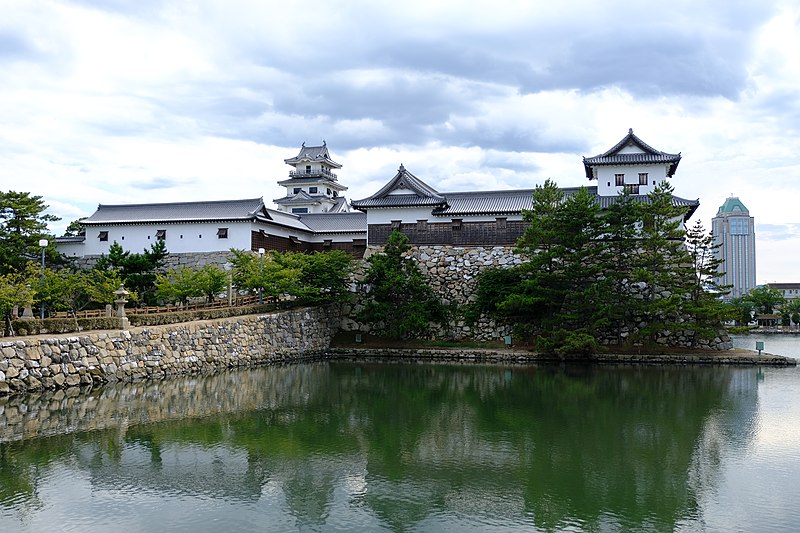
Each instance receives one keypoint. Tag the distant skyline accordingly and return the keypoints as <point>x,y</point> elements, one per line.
<point>107,101</point>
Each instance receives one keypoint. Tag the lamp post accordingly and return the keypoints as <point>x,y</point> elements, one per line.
<point>43,245</point>
<point>260,280</point>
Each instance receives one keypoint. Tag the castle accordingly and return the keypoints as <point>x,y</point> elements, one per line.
<point>315,216</point>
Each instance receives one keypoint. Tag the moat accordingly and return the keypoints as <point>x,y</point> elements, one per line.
<point>334,446</point>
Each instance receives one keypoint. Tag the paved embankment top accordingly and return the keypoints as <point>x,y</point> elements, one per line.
<point>726,357</point>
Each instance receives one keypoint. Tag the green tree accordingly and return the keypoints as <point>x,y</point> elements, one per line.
<point>310,278</point>
<point>177,285</point>
<point>765,299</point>
<point>75,228</point>
<point>182,283</point>
<point>663,271</point>
<point>17,288</point>
<point>703,304</point>
<point>792,310</point>
<point>741,310</point>
<point>399,303</point>
<point>558,297</point>
<point>211,280</point>
<point>618,253</point>
<point>63,290</point>
<point>137,271</point>
<point>23,222</point>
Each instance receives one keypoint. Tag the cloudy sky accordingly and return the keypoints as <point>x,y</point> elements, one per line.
<point>115,101</point>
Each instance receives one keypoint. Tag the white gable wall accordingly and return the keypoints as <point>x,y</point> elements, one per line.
<point>606,177</point>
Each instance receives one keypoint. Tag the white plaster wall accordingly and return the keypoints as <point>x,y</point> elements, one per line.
<point>606,180</point>
<point>406,215</point>
<point>72,249</point>
<point>181,238</point>
<point>411,215</point>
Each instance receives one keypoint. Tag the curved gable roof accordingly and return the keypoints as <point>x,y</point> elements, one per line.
<point>421,194</point>
<point>315,154</point>
<point>647,155</point>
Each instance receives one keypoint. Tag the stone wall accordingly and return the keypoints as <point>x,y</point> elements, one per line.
<point>36,363</point>
<point>452,273</point>
<point>189,259</point>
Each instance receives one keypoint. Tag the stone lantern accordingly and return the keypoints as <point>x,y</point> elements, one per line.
<point>121,300</point>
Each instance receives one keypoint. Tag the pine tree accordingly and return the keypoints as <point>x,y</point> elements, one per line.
<point>663,269</point>
<point>22,224</point>
<point>704,304</point>
<point>400,302</point>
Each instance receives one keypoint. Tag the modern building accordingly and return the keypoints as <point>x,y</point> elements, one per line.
<point>734,232</point>
<point>790,291</point>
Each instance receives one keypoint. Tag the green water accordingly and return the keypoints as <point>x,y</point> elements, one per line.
<point>410,447</point>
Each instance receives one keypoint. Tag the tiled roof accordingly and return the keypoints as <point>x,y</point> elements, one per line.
<point>176,212</point>
<point>326,182</point>
<point>313,153</point>
<point>424,194</point>
<point>288,220</point>
<point>649,155</point>
<point>301,198</point>
<point>336,222</point>
<point>485,203</point>
<point>515,201</point>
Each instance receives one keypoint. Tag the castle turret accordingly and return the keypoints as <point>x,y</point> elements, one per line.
<point>631,165</point>
<point>312,186</point>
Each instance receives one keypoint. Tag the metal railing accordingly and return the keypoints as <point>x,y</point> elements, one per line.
<point>313,173</point>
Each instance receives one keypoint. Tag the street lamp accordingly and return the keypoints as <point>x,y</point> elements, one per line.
<point>43,245</point>
<point>260,279</point>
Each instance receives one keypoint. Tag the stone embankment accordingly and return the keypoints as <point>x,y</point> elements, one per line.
<point>706,357</point>
<point>44,362</point>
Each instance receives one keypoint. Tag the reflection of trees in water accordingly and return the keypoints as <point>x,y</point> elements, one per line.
<point>609,447</point>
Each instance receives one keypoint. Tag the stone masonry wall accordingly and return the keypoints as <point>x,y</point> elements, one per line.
<point>452,273</point>
<point>35,363</point>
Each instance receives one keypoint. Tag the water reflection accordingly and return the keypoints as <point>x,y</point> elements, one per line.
<point>370,446</point>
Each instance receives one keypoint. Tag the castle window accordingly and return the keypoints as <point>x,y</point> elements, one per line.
<point>422,225</point>
<point>631,189</point>
<point>103,236</point>
<point>396,224</point>
<point>222,233</point>
<point>308,169</point>
<point>297,190</point>
<point>312,190</point>
<point>456,224</point>
<point>329,192</point>
<point>299,210</point>
<point>161,234</point>
<point>642,178</point>
<point>501,223</point>
<point>327,243</point>
<point>619,180</point>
